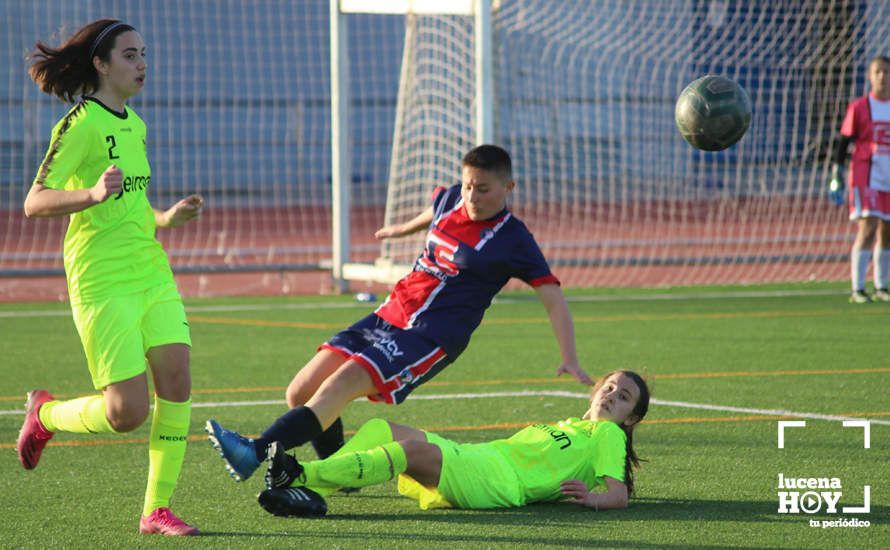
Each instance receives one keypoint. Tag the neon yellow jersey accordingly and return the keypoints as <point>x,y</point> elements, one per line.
<point>110,248</point>
<point>545,455</point>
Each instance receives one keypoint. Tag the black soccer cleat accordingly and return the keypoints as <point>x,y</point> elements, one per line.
<point>283,469</point>
<point>293,502</point>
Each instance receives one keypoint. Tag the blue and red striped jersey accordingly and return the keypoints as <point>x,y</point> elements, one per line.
<point>464,264</point>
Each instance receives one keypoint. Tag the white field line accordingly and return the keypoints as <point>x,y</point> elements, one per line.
<point>691,296</point>
<point>498,300</point>
<point>766,412</point>
<point>574,395</point>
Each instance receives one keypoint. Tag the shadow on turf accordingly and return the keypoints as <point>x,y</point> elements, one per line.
<point>641,509</point>
<point>550,515</point>
<point>437,539</point>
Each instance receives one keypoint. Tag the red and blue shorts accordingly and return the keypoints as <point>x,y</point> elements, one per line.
<point>398,360</point>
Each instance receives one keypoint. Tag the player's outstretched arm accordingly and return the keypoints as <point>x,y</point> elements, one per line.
<point>418,223</point>
<point>184,211</point>
<point>564,329</point>
<point>45,202</point>
<point>615,497</point>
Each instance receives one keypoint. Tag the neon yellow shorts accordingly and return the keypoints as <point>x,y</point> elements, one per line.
<point>116,332</point>
<point>474,476</point>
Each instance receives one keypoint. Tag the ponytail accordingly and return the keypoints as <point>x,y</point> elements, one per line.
<point>631,460</point>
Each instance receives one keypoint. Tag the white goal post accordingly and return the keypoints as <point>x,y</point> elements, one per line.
<point>383,270</point>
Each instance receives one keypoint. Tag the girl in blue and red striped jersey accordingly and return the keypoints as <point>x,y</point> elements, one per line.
<point>473,247</point>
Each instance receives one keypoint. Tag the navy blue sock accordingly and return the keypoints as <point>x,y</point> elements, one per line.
<point>292,429</point>
<point>330,440</point>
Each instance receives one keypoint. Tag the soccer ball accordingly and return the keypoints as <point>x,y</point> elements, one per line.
<point>712,113</point>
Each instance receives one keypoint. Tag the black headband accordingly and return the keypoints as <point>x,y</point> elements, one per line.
<point>102,35</point>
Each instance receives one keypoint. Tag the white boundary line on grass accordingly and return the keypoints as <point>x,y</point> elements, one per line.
<point>529,393</point>
<point>667,296</point>
<point>642,297</point>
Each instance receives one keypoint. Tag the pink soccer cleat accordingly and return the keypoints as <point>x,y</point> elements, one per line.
<point>33,435</point>
<point>164,522</point>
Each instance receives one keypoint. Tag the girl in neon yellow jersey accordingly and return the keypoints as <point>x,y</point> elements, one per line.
<point>587,461</point>
<point>124,300</point>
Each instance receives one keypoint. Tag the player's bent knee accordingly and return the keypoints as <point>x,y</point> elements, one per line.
<point>123,424</point>
<point>311,377</point>
<point>127,418</point>
<point>295,395</point>
<point>424,461</point>
<point>291,401</point>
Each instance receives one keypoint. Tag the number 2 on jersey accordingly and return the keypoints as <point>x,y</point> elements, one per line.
<point>110,139</point>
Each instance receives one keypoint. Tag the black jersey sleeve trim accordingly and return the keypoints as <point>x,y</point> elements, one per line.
<point>54,146</point>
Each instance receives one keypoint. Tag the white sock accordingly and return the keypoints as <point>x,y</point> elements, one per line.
<point>859,260</point>
<point>882,267</point>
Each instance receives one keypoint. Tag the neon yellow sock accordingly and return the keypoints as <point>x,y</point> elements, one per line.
<point>166,451</point>
<point>373,433</point>
<point>82,415</point>
<point>357,469</point>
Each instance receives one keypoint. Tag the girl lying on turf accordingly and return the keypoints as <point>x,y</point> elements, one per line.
<point>586,461</point>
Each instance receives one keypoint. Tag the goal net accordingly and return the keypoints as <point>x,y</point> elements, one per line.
<point>584,95</point>
<point>238,107</point>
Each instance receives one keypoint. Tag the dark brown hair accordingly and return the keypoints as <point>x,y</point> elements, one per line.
<point>68,71</point>
<point>490,158</point>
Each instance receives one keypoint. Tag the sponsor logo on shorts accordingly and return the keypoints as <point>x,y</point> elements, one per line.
<point>389,348</point>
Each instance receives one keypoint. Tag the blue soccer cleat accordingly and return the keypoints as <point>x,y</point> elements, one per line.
<point>237,450</point>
